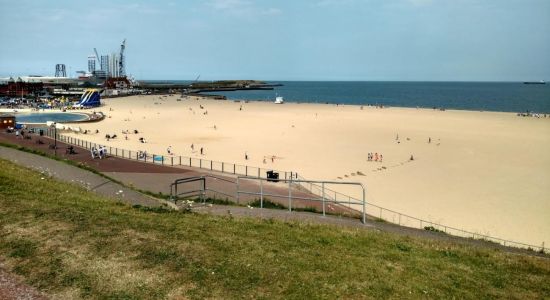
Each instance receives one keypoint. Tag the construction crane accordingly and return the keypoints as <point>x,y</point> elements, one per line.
<point>98,59</point>
<point>121,63</point>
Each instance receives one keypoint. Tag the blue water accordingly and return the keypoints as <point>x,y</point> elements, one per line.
<point>488,96</point>
<point>44,117</point>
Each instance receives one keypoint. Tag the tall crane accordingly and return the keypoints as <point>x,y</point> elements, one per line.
<point>121,62</point>
<point>98,59</point>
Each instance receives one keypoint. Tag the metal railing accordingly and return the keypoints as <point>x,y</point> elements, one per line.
<point>174,161</point>
<point>323,199</point>
<point>401,219</point>
<point>201,191</point>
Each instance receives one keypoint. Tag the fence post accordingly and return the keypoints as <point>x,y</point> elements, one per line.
<point>200,163</point>
<point>323,187</point>
<point>364,206</point>
<point>180,160</point>
<point>222,167</point>
<point>290,195</point>
<point>261,194</point>
<point>246,170</point>
<point>172,161</point>
<point>234,168</point>
<point>211,162</point>
<point>189,161</point>
<point>162,160</point>
<point>122,152</point>
<point>238,194</point>
<point>258,172</point>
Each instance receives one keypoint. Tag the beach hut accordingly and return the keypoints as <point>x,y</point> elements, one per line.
<point>6,121</point>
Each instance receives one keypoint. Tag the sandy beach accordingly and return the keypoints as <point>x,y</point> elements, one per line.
<point>487,172</point>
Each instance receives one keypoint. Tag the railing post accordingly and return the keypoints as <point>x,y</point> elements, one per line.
<point>246,170</point>
<point>180,160</point>
<point>200,163</point>
<point>189,161</point>
<point>222,167</point>
<point>323,187</point>
<point>172,161</point>
<point>238,194</point>
<point>258,172</point>
<point>290,195</point>
<point>261,194</point>
<point>211,162</point>
<point>364,207</point>
<point>234,168</point>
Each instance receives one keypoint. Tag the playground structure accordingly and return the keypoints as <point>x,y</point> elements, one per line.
<point>90,98</point>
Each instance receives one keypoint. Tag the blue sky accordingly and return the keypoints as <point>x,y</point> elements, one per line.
<point>463,40</point>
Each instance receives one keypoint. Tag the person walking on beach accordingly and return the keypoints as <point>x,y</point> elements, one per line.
<point>381,157</point>
<point>245,156</point>
<point>429,140</point>
<point>376,156</point>
<point>169,150</point>
<point>202,150</point>
<point>192,147</point>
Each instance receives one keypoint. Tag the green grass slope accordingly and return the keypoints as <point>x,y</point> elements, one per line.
<point>72,243</point>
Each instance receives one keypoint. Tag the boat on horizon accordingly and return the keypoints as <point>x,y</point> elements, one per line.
<point>534,82</point>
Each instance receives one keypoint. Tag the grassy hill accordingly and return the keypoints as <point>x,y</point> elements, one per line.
<point>74,244</point>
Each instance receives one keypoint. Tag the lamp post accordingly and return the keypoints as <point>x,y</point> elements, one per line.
<point>54,124</point>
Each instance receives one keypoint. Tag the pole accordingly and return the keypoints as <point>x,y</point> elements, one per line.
<point>290,195</point>
<point>323,187</point>
<point>364,213</point>
<point>237,190</point>
<point>261,194</point>
<point>55,139</point>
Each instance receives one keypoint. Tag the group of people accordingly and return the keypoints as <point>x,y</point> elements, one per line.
<point>142,154</point>
<point>375,157</point>
<point>99,152</point>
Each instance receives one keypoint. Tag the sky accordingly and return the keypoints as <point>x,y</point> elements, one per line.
<point>359,40</point>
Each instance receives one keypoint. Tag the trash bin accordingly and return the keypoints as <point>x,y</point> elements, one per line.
<point>272,176</point>
<point>41,132</point>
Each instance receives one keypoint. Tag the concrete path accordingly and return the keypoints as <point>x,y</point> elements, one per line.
<point>86,179</point>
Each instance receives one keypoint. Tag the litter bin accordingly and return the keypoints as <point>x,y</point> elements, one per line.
<point>272,176</point>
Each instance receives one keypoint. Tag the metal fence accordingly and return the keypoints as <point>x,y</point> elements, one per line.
<point>169,160</point>
<point>291,182</point>
<point>381,213</point>
<point>401,219</point>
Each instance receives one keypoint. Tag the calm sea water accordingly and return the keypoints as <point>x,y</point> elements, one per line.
<point>489,96</point>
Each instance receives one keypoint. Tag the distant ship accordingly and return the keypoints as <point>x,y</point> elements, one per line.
<point>534,82</point>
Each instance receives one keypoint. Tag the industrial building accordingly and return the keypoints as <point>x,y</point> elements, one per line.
<point>104,71</point>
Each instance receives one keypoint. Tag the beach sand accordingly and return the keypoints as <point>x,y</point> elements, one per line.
<point>486,172</point>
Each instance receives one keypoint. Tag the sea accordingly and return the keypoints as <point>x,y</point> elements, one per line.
<point>478,96</point>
